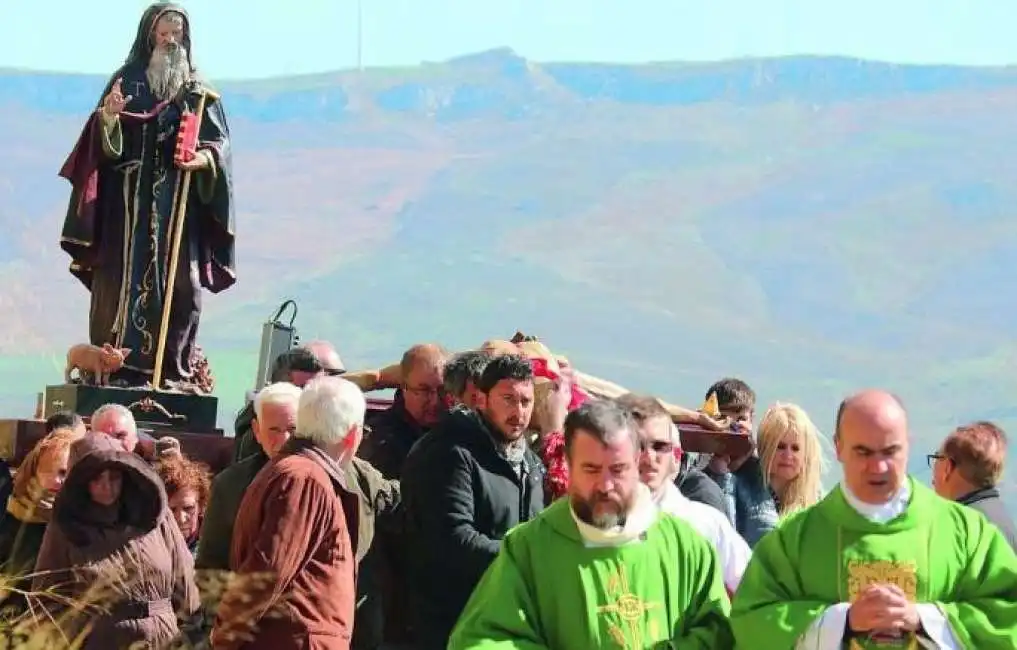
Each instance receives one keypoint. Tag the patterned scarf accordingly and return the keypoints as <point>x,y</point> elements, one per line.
<point>34,507</point>
<point>513,451</point>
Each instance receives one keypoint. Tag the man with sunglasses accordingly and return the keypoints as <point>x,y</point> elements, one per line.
<point>659,461</point>
<point>418,405</point>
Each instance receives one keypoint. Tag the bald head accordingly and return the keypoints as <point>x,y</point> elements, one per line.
<point>875,407</point>
<point>423,371</point>
<point>872,444</point>
<point>423,355</point>
<point>327,356</point>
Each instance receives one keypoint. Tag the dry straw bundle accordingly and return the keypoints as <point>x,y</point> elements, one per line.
<point>50,621</point>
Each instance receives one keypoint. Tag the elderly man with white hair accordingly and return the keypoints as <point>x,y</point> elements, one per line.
<point>658,465</point>
<point>292,527</point>
<point>117,422</point>
<point>275,417</point>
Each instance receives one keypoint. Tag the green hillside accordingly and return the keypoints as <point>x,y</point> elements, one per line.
<point>811,225</point>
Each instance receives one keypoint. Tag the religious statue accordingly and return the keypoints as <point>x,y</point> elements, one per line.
<point>150,222</point>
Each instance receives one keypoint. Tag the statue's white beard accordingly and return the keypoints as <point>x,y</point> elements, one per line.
<point>168,70</point>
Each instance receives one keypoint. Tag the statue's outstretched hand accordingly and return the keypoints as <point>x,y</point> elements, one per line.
<point>114,103</point>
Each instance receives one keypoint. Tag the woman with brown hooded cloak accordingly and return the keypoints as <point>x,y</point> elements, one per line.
<point>112,544</point>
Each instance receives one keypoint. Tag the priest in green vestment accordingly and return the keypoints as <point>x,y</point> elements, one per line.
<point>882,561</point>
<point>603,568</point>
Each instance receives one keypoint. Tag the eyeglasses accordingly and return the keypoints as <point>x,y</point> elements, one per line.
<point>426,391</point>
<point>334,372</point>
<point>658,446</point>
<point>932,458</point>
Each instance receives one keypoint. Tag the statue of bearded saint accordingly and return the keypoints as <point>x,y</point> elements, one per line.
<point>127,191</point>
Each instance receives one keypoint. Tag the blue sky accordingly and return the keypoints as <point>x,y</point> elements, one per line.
<point>257,38</point>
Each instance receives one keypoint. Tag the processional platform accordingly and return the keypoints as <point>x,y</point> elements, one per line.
<point>170,411</point>
<point>190,418</point>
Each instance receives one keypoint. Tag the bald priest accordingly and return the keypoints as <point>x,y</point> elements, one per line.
<point>882,561</point>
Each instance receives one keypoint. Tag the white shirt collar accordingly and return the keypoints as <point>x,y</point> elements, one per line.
<point>880,513</point>
<point>644,513</point>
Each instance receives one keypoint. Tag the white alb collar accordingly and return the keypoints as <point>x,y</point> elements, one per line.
<point>644,513</point>
<point>882,512</point>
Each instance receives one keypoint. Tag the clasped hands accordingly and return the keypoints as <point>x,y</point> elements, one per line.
<point>113,105</point>
<point>883,610</point>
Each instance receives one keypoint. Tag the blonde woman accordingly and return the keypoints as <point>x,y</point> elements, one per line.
<point>791,457</point>
<point>30,505</point>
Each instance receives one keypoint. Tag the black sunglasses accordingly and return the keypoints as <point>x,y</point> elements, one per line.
<point>658,446</point>
<point>334,372</point>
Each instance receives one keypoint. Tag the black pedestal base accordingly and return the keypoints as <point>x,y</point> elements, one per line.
<point>151,409</point>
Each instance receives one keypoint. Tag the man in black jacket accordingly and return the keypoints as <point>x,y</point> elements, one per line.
<point>465,484</point>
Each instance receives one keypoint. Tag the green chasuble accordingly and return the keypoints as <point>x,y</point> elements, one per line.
<point>938,552</point>
<point>547,589</point>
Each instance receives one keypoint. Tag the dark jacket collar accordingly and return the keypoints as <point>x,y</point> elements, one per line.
<point>471,426</point>
<point>979,495</point>
<point>472,430</point>
<point>398,409</point>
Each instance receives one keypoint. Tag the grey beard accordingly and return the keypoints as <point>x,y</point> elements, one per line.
<point>604,520</point>
<point>168,70</point>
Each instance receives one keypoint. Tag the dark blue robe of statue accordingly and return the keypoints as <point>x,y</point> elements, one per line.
<point>119,224</point>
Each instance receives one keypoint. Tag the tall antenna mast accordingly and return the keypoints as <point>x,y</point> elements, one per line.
<point>360,35</point>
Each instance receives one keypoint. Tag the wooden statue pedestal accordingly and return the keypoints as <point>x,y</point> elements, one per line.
<point>181,412</point>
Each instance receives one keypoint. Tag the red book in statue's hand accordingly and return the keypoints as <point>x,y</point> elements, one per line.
<point>187,139</point>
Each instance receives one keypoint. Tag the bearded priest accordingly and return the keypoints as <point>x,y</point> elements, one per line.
<point>882,561</point>
<point>603,568</point>
<point>126,173</point>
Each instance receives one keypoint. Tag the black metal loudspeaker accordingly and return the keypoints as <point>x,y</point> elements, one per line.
<point>276,337</point>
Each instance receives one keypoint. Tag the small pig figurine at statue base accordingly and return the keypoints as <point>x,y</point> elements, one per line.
<point>100,362</point>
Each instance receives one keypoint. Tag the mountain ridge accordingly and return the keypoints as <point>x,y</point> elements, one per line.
<point>475,84</point>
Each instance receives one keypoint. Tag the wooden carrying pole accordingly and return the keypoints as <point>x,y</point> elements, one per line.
<point>174,261</point>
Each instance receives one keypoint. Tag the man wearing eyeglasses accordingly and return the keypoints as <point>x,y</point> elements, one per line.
<point>468,482</point>
<point>968,468</point>
<point>418,405</point>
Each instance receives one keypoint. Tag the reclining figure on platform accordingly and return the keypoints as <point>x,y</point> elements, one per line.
<point>94,364</point>
<point>391,377</point>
